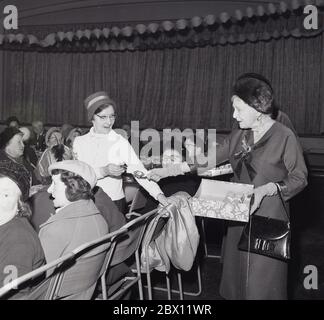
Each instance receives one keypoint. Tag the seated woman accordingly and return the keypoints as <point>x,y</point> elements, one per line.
<point>43,207</point>
<point>20,248</point>
<point>12,148</point>
<point>55,151</point>
<point>76,221</point>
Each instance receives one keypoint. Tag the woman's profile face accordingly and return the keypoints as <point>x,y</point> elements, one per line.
<point>9,196</point>
<point>54,139</point>
<point>245,115</point>
<point>57,190</point>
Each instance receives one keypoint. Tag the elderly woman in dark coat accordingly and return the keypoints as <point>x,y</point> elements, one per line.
<point>12,148</point>
<point>265,153</point>
<point>20,249</point>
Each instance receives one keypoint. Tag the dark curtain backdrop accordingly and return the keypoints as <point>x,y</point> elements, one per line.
<point>166,88</point>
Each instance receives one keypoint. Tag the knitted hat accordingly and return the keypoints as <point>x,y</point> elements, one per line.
<point>76,166</point>
<point>49,133</point>
<point>18,174</point>
<point>95,100</point>
<point>7,134</point>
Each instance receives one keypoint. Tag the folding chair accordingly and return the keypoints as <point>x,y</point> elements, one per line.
<point>151,234</point>
<point>70,274</point>
<point>180,291</point>
<point>126,248</point>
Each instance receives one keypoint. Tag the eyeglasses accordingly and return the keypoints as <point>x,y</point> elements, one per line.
<point>110,117</point>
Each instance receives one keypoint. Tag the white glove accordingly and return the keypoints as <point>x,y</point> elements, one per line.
<point>112,170</point>
<point>169,171</point>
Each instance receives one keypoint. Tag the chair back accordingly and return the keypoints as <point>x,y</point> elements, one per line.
<point>127,246</point>
<point>72,276</point>
<point>153,255</point>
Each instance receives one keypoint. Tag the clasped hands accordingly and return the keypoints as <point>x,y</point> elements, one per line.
<point>113,170</point>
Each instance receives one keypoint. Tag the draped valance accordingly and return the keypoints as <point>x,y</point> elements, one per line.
<point>266,22</point>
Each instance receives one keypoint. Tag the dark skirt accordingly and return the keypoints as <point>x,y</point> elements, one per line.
<point>265,279</point>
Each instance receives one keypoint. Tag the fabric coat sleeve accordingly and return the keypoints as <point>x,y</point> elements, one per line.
<point>293,159</point>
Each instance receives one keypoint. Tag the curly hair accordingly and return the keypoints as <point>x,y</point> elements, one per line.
<point>256,91</point>
<point>76,187</point>
<point>24,209</point>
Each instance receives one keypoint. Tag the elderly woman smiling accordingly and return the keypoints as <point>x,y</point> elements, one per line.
<point>264,153</point>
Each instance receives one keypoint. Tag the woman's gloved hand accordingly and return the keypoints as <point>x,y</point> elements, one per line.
<point>267,190</point>
<point>169,171</point>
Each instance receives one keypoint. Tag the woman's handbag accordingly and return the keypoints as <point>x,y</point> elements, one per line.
<point>267,236</point>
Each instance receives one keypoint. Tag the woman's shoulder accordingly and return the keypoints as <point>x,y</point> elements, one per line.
<point>19,230</point>
<point>3,155</point>
<point>282,131</point>
<point>83,137</point>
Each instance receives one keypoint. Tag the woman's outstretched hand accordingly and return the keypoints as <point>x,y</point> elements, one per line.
<point>169,171</point>
<point>157,174</point>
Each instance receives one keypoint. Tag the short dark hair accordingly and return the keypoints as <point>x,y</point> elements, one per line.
<point>76,187</point>
<point>7,134</point>
<point>256,91</point>
<point>103,107</point>
<point>10,119</point>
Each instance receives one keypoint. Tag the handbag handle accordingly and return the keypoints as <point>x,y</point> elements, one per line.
<point>282,201</point>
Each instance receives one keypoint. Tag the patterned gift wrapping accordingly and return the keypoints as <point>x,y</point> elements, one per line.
<point>222,200</point>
